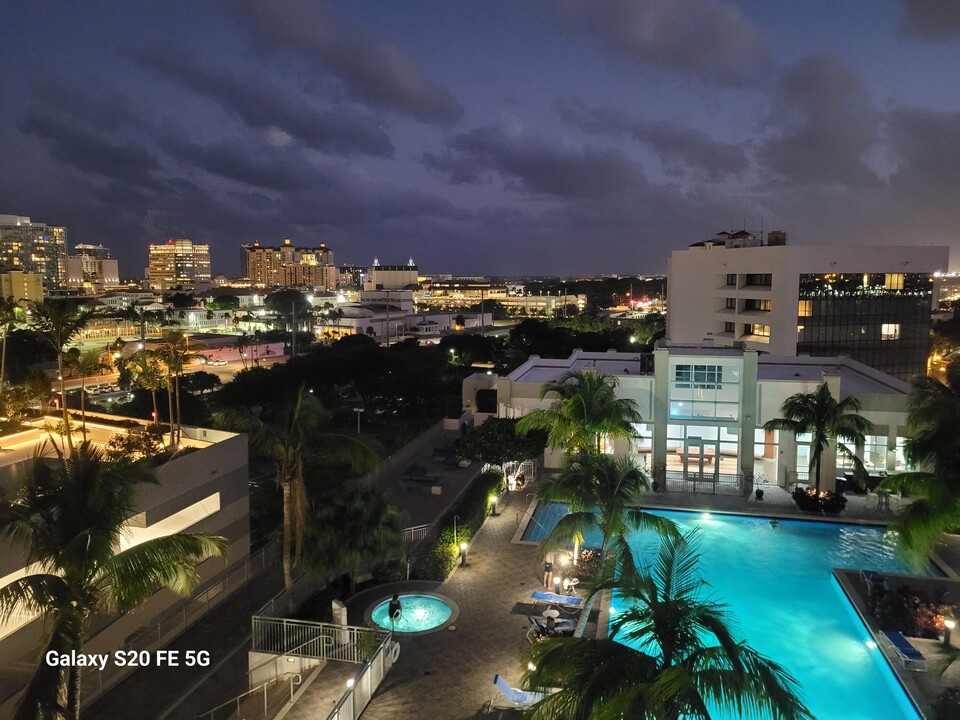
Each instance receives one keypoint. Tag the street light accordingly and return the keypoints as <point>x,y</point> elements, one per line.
<point>357,411</point>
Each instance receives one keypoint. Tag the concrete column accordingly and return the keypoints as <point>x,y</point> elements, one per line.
<point>749,390</point>
<point>661,407</point>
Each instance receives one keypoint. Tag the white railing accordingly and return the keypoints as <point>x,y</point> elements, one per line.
<point>355,699</point>
<point>326,641</point>
<point>415,534</point>
<point>251,702</point>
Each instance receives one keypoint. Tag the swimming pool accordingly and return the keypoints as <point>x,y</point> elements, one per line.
<point>779,588</point>
<point>419,613</point>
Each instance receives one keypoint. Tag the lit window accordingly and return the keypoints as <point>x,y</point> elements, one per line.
<point>805,308</point>
<point>761,330</point>
<point>893,281</point>
<point>890,331</point>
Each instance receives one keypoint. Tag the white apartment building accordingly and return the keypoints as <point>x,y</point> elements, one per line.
<point>871,304</point>
<point>704,408</point>
<point>203,490</point>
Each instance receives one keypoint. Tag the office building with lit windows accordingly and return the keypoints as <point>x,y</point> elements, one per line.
<point>34,248</point>
<point>288,266</point>
<point>177,263</point>
<point>871,304</point>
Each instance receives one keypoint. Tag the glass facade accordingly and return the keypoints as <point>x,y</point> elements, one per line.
<point>879,319</point>
<point>705,391</point>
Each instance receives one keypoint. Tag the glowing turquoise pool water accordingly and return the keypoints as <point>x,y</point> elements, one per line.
<point>779,587</point>
<point>419,613</point>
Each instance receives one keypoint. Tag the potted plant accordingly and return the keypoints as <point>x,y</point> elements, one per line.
<point>823,501</point>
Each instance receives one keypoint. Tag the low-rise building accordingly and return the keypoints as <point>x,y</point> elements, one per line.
<point>204,489</point>
<point>704,408</point>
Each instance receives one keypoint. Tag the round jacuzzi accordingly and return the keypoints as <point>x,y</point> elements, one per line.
<point>419,613</point>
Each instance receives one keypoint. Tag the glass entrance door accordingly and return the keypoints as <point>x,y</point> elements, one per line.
<point>701,459</point>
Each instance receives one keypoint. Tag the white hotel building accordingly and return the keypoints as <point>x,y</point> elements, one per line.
<point>704,408</point>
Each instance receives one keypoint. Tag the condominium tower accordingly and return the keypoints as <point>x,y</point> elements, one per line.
<point>34,248</point>
<point>178,262</point>
<point>871,304</point>
<point>288,265</point>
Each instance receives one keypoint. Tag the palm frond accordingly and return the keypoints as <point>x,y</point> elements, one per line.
<point>132,576</point>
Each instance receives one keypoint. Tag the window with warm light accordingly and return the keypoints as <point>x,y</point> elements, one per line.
<point>890,331</point>
<point>805,308</point>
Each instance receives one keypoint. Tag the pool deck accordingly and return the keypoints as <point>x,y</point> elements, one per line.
<point>449,675</point>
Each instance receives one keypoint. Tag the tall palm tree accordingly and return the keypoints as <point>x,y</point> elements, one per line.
<point>826,419</point>
<point>11,315</point>
<point>59,323</point>
<point>175,354</point>
<point>585,410</point>
<point>352,530</point>
<point>682,660</point>
<point>933,423</point>
<point>145,373</point>
<point>85,363</point>
<point>287,434</point>
<point>70,515</point>
<point>602,492</point>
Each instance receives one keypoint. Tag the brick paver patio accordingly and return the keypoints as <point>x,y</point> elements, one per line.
<point>449,674</point>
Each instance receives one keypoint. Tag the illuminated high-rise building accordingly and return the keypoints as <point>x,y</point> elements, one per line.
<point>178,262</point>
<point>34,248</point>
<point>288,265</point>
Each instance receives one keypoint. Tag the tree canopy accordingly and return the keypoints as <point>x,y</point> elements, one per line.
<point>496,441</point>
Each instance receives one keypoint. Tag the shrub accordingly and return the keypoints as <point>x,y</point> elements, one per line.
<point>912,613</point>
<point>947,705</point>
<point>390,571</point>
<point>472,509</point>
<point>146,444</point>
<point>824,501</point>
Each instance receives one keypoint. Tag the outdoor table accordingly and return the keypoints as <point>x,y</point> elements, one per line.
<point>551,613</point>
<point>883,499</point>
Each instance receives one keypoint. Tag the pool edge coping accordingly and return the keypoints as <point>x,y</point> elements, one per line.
<point>450,602</point>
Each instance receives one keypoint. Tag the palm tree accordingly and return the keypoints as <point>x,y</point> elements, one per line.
<point>145,373</point>
<point>59,323</point>
<point>682,660</point>
<point>175,354</point>
<point>355,529</point>
<point>70,514</point>
<point>826,418</point>
<point>86,363</point>
<point>602,492</point>
<point>586,409</point>
<point>933,423</point>
<point>287,433</point>
<point>11,315</point>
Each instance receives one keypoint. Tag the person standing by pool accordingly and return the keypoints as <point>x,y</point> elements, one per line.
<point>547,570</point>
<point>395,609</point>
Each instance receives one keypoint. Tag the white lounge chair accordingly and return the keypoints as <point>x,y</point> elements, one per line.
<point>514,697</point>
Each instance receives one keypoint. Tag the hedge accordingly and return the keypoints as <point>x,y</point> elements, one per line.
<point>471,508</point>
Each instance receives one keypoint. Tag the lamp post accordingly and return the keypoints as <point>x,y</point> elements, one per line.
<point>948,625</point>
<point>358,411</point>
<point>493,504</point>
<point>463,554</point>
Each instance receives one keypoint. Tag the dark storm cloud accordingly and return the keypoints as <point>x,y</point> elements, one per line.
<point>824,122</point>
<point>90,152</point>
<point>710,40</point>
<point>270,168</point>
<point>534,166</point>
<point>372,71</point>
<point>935,20</point>
<point>679,148</point>
<point>262,108</point>
<point>926,145</point>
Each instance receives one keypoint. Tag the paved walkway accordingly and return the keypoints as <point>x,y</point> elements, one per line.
<point>149,692</point>
<point>449,674</point>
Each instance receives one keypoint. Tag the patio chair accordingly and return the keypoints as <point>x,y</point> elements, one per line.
<point>514,697</point>
<point>554,599</point>
<point>909,656</point>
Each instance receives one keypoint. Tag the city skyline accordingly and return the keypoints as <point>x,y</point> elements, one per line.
<point>551,137</point>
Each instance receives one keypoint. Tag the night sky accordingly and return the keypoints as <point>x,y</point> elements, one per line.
<point>493,136</point>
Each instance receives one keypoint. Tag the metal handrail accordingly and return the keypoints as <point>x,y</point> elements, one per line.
<point>293,678</point>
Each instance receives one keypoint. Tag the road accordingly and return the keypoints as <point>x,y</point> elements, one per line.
<point>224,372</point>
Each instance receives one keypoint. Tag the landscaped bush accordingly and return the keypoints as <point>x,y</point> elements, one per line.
<point>912,613</point>
<point>825,501</point>
<point>136,446</point>
<point>113,422</point>
<point>472,509</point>
<point>390,571</point>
